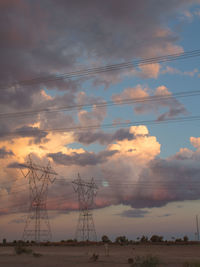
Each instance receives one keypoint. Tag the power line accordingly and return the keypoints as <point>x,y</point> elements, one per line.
<point>106,68</point>
<point>101,104</point>
<point>108,126</point>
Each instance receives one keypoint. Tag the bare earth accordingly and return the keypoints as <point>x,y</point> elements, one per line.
<point>80,256</point>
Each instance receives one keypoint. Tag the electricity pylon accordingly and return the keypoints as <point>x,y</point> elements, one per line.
<point>37,227</point>
<point>86,192</point>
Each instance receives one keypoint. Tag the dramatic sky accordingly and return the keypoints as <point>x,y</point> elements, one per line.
<point>148,174</point>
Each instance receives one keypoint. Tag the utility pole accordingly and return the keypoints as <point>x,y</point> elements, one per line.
<point>86,192</point>
<point>37,227</point>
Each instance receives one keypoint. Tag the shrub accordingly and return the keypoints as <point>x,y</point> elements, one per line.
<point>19,249</point>
<point>37,255</point>
<point>145,261</point>
<point>122,240</point>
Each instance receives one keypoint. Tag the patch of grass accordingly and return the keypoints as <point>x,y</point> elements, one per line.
<point>145,261</point>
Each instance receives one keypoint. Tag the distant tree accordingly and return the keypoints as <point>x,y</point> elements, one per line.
<point>122,240</point>
<point>69,241</point>
<point>144,239</point>
<point>178,240</point>
<point>105,239</point>
<point>156,238</point>
<point>4,241</point>
<point>185,239</point>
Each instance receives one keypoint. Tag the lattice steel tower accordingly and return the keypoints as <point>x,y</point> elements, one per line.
<point>37,227</point>
<point>86,192</point>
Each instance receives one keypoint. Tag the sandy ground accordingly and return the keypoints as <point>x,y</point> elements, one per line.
<point>173,256</point>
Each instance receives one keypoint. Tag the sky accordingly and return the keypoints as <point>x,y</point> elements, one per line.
<point>147,173</point>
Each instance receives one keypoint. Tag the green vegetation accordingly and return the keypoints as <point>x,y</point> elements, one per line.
<point>20,249</point>
<point>105,239</point>
<point>145,261</point>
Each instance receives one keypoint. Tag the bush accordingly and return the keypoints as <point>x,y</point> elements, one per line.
<point>37,255</point>
<point>145,261</point>
<point>19,249</point>
<point>122,240</point>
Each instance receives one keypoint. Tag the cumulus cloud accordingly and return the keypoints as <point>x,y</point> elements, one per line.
<point>127,172</point>
<point>47,38</point>
<point>149,71</point>
<point>172,70</point>
<point>175,108</point>
<point>52,42</point>
<point>61,38</point>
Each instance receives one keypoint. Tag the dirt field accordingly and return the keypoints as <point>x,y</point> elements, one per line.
<point>80,256</point>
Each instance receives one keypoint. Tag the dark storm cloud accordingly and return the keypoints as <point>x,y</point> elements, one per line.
<point>165,181</point>
<point>40,38</point>
<point>81,159</point>
<point>102,137</point>
<point>5,153</point>
<point>45,38</point>
<point>137,213</point>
